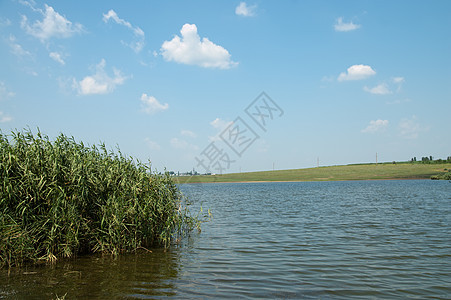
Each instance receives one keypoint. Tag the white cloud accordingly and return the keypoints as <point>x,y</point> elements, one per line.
<point>409,128</point>
<point>375,126</point>
<point>17,49</point>
<point>31,4</point>
<point>243,10</point>
<point>386,88</point>
<point>191,50</point>
<point>220,124</point>
<point>151,105</point>
<point>398,79</point>
<point>178,143</point>
<point>151,144</point>
<point>100,82</point>
<point>57,57</point>
<point>380,89</point>
<point>4,92</point>
<point>5,22</point>
<point>188,133</point>
<point>182,144</point>
<point>356,72</point>
<point>52,25</point>
<point>4,118</point>
<point>341,26</point>
<point>138,32</point>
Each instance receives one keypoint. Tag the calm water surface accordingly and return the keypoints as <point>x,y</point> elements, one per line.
<point>309,240</point>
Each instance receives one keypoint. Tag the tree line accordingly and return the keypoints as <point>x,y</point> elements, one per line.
<point>431,160</point>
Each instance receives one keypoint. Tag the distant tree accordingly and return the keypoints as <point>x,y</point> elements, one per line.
<point>430,158</point>
<point>425,159</point>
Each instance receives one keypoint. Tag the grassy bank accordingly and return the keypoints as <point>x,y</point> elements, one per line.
<point>61,199</point>
<point>348,172</point>
<point>442,176</point>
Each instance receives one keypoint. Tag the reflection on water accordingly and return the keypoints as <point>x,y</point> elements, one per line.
<point>376,239</point>
<point>102,277</point>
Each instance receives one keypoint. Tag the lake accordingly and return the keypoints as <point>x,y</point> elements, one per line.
<point>309,240</point>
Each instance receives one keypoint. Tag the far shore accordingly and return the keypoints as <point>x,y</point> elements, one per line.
<point>288,181</point>
<point>381,171</point>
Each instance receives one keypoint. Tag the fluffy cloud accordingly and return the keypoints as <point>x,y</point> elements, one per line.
<point>395,84</point>
<point>178,143</point>
<point>409,128</point>
<point>100,82</point>
<point>57,57</point>
<point>243,10</point>
<point>375,126</point>
<point>139,34</point>
<point>191,50</point>
<point>4,118</point>
<point>220,124</point>
<point>380,89</point>
<point>356,72</point>
<point>5,22</point>
<point>52,25</point>
<point>151,144</point>
<point>398,80</point>
<point>182,144</point>
<point>341,26</point>
<point>4,92</point>
<point>150,104</point>
<point>188,133</point>
<point>17,49</point>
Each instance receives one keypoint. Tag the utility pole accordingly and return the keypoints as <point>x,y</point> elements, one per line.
<point>317,162</point>
<point>273,166</point>
<point>376,158</point>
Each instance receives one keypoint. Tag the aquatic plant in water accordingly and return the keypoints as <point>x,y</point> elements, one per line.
<point>61,198</point>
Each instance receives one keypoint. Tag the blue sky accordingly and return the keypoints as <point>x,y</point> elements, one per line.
<point>170,81</point>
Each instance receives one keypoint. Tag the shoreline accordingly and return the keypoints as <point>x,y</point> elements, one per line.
<point>288,181</point>
<point>401,171</point>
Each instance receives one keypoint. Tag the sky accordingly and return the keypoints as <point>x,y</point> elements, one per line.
<point>231,86</point>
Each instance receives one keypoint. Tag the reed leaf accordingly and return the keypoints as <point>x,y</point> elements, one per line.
<point>61,199</point>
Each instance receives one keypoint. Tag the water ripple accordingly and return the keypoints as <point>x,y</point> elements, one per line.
<point>317,240</point>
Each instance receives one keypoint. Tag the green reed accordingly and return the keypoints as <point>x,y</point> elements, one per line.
<point>61,198</point>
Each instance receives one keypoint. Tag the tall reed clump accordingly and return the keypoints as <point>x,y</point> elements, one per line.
<point>62,198</point>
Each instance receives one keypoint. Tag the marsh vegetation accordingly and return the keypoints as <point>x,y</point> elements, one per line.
<point>61,198</point>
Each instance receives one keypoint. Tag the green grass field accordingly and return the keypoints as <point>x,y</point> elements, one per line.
<point>333,173</point>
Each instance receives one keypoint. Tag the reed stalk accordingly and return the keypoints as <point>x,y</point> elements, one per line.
<point>61,199</point>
